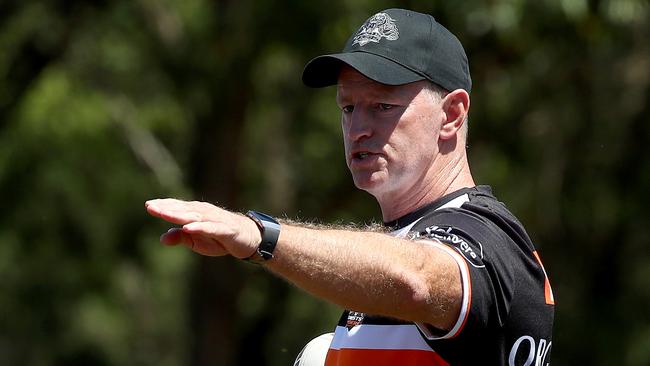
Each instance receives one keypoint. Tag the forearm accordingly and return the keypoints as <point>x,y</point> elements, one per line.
<point>371,272</point>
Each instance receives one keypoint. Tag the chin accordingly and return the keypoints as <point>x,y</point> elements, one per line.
<point>370,183</point>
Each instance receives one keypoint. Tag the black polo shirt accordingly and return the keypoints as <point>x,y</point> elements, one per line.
<point>507,311</point>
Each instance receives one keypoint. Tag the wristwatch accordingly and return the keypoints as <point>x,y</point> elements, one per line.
<point>270,230</point>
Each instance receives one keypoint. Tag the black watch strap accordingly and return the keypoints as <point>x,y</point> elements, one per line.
<point>270,230</point>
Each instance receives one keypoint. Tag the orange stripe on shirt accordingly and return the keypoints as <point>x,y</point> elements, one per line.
<point>382,357</point>
<point>548,292</point>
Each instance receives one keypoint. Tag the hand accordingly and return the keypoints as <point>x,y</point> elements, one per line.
<point>207,229</point>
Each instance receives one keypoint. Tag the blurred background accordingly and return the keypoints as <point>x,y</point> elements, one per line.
<point>105,104</point>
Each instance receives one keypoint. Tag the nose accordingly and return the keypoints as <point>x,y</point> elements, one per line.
<point>359,125</point>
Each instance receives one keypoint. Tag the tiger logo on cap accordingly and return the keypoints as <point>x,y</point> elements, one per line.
<point>379,26</point>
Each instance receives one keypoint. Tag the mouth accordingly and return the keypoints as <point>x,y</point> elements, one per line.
<point>361,155</point>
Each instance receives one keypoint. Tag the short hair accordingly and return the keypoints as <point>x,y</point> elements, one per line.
<point>435,90</point>
<point>437,93</point>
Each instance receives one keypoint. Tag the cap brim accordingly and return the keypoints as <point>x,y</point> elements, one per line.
<point>324,70</point>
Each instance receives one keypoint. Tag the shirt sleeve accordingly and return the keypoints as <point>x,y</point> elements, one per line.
<point>485,258</point>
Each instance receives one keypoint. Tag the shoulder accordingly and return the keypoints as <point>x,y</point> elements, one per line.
<point>481,217</point>
<point>480,228</point>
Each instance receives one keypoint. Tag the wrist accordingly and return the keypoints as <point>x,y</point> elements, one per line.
<point>269,232</point>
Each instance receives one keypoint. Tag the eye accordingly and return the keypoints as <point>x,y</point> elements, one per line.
<point>348,109</point>
<point>385,106</point>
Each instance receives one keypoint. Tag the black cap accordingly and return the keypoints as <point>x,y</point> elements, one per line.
<point>395,47</point>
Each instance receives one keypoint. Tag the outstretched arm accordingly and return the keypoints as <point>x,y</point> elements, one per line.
<point>363,271</point>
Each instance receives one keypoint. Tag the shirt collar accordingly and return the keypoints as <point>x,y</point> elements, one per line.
<point>442,202</point>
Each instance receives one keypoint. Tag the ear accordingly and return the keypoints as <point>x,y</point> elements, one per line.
<point>455,105</point>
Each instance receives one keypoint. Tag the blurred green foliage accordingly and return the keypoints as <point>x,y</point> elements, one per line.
<point>104,104</point>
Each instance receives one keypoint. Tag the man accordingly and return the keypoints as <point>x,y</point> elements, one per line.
<point>457,281</point>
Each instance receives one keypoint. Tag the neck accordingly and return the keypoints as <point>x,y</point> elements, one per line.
<point>440,180</point>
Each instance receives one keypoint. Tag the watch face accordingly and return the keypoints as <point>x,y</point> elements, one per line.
<point>265,217</point>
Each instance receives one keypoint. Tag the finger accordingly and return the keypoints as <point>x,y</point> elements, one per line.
<point>167,202</point>
<point>228,237</point>
<point>212,229</point>
<point>182,212</point>
<point>198,243</point>
<point>176,217</point>
<point>175,236</point>
<point>180,205</point>
<point>173,215</point>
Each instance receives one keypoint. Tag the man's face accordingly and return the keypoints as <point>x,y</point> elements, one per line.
<point>390,133</point>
